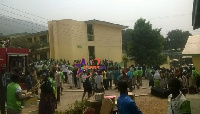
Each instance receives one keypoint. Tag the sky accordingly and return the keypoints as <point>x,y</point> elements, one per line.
<point>165,14</point>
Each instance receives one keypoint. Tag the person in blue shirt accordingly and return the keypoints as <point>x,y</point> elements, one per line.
<point>129,74</point>
<point>125,104</point>
<point>116,75</point>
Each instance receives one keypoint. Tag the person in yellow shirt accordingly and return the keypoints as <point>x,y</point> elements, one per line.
<point>105,82</point>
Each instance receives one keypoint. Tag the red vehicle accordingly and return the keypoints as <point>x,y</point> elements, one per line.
<point>14,57</point>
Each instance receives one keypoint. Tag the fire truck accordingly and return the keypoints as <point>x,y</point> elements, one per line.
<point>14,58</point>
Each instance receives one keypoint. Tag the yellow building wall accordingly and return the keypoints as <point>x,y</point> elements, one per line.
<point>68,40</point>
<point>60,40</point>
<point>196,62</point>
<point>108,42</point>
<point>36,37</point>
<point>79,39</point>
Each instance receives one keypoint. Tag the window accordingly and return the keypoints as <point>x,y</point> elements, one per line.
<point>90,33</point>
<point>91,52</point>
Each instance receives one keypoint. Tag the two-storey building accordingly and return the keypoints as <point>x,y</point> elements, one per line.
<point>71,40</point>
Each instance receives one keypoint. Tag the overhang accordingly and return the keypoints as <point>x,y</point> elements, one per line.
<point>105,23</point>
<point>192,47</point>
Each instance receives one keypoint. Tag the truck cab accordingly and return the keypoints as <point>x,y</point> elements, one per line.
<point>14,57</point>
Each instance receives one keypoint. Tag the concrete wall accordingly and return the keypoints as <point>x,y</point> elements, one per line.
<point>68,40</point>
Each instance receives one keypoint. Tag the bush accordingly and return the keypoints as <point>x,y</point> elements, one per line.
<point>77,108</point>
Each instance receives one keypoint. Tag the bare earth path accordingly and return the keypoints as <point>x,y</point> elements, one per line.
<point>147,104</point>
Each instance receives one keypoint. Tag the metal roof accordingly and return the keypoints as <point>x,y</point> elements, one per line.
<point>192,47</point>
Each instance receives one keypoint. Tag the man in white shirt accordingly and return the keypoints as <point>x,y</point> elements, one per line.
<point>58,82</point>
<point>69,74</point>
<point>99,82</point>
<point>177,102</point>
<point>65,70</point>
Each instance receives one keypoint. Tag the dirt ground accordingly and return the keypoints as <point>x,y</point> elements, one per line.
<point>151,105</point>
<point>147,104</point>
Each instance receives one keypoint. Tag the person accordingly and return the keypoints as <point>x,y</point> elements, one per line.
<point>125,104</point>
<point>177,102</point>
<point>65,70</point>
<point>79,81</point>
<point>115,77</point>
<point>147,72</point>
<point>151,79</point>
<point>34,78</point>
<point>47,97</point>
<point>28,81</point>
<point>69,74</point>
<point>109,78</point>
<point>2,89</point>
<point>105,81</point>
<point>157,79</point>
<point>123,77</point>
<point>130,75</point>
<point>134,78</point>
<point>74,76</point>
<point>61,80</point>
<point>99,82</point>
<point>14,95</point>
<point>139,76</point>
<point>86,84</point>
<point>57,82</point>
<point>198,84</point>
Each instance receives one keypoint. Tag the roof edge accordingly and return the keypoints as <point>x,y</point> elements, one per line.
<point>106,23</point>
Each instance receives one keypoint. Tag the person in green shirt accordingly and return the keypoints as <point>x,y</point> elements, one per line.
<point>147,73</point>
<point>135,78</point>
<point>139,72</point>
<point>195,74</point>
<point>14,96</point>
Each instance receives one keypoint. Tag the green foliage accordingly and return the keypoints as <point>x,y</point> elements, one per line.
<point>176,39</point>
<point>77,108</point>
<point>125,60</point>
<point>126,38</point>
<point>36,48</point>
<point>146,44</point>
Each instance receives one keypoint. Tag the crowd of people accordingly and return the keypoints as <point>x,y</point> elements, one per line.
<point>51,76</point>
<point>188,77</point>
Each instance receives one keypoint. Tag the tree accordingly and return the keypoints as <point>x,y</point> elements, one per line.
<point>126,37</point>
<point>176,39</point>
<point>36,48</point>
<point>125,60</point>
<point>146,44</point>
